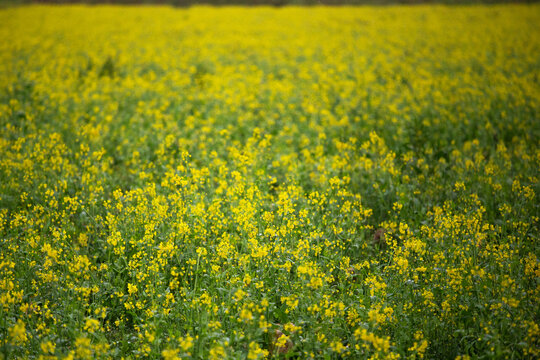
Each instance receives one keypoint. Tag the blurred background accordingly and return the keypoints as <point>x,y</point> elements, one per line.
<point>263,2</point>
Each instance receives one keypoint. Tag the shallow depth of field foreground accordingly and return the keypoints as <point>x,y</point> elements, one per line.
<point>248,183</point>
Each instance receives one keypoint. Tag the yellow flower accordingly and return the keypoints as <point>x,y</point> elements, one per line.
<point>217,353</point>
<point>255,351</point>
<point>17,333</point>
<point>170,354</point>
<point>132,289</point>
<point>47,347</point>
<point>91,325</point>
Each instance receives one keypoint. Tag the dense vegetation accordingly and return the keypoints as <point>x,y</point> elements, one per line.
<point>185,3</point>
<point>247,183</point>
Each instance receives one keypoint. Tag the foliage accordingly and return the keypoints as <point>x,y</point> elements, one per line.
<point>245,183</point>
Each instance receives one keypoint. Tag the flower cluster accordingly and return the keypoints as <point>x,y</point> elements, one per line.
<point>269,183</point>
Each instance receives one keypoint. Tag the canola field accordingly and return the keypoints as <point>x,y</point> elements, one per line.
<point>249,183</point>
